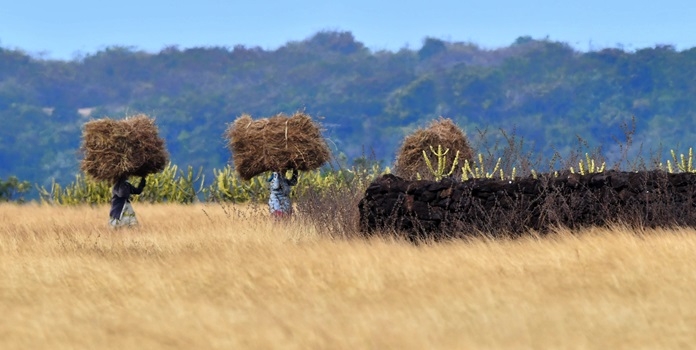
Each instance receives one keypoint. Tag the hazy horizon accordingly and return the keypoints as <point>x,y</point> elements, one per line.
<point>68,29</point>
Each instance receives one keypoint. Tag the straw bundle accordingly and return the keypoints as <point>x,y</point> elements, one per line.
<point>443,132</point>
<point>276,143</point>
<point>116,148</point>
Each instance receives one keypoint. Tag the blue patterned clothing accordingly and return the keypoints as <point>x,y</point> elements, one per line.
<point>279,201</point>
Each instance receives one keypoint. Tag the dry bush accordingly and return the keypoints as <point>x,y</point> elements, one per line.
<point>128,147</point>
<point>276,143</point>
<point>333,210</point>
<point>442,132</point>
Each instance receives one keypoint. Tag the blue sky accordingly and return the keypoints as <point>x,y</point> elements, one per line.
<point>61,29</point>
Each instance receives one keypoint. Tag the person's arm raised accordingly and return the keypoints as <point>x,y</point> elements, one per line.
<point>293,179</point>
<point>140,187</point>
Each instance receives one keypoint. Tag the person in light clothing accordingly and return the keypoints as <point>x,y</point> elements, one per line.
<point>122,213</point>
<point>279,202</point>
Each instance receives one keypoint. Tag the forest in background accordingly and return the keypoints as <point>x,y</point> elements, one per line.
<point>555,98</point>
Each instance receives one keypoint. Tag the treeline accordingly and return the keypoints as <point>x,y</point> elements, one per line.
<point>555,98</point>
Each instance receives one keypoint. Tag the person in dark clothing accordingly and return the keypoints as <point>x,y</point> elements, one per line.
<point>122,213</point>
<point>279,201</point>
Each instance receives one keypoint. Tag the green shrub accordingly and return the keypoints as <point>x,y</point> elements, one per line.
<point>13,189</point>
<point>176,185</point>
<point>170,185</point>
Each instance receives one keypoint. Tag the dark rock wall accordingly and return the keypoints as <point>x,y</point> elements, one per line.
<point>450,208</point>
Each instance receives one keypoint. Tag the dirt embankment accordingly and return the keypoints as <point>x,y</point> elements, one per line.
<point>450,208</point>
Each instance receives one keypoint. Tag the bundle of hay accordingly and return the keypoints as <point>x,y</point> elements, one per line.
<point>276,143</point>
<point>116,148</point>
<point>443,132</point>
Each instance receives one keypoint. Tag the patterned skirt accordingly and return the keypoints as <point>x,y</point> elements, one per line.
<point>127,218</point>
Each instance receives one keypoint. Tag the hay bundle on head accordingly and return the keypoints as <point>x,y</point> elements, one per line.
<point>276,143</point>
<point>116,148</point>
<point>443,132</point>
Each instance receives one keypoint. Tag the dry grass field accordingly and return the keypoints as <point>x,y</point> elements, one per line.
<point>214,277</point>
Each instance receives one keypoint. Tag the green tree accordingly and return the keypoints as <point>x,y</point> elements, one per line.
<point>431,47</point>
<point>13,189</point>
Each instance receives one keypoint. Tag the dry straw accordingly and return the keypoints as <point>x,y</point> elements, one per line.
<point>410,161</point>
<point>276,143</point>
<point>116,148</point>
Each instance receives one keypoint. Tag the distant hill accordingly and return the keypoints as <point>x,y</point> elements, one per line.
<point>540,90</point>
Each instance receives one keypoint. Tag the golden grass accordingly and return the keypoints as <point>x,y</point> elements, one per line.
<point>209,276</point>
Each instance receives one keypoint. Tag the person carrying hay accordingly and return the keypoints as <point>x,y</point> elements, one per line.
<point>113,150</point>
<point>122,213</point>
<point>279,202</point>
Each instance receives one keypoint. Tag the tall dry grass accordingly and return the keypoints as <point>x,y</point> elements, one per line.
<point>210,277</point>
